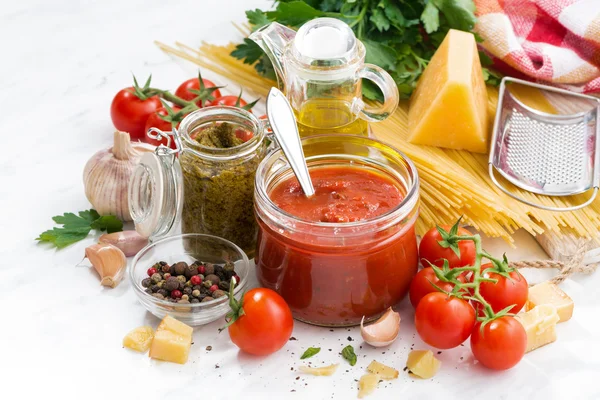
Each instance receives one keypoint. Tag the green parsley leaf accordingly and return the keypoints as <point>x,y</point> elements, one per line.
<point>459,13</point>
<point>77,227</point>
<point>311,351</point>
<point>394,14</point>
<point>380,54</point>
<point>349,354</point>
<point>294,13</point>
<point>108,223</point>
<point>382,23</point>
<point>257,18</point>
<point>248,51</point>
<point>430,18</point>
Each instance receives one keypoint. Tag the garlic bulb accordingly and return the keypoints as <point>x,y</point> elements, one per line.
<point>106,175</point>
<point>108,261</point>
<point>129,242</point>
<point>383,331</point>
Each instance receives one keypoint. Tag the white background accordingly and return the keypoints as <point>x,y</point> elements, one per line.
<point>60,332</point>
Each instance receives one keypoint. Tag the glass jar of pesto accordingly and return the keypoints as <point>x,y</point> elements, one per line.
<point>205,184</point>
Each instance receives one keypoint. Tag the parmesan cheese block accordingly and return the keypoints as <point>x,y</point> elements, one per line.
<point>169,346</point>
<point>540,325</point>
<point>139,339</point>
<point>549,293</point>
<point>449,106</point>
<point>172,341</point>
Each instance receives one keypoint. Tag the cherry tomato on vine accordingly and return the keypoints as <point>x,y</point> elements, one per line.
<point>505,292</point>
<point>500,344</point>
<point>129,113</point>
<point>155,121</point>
<point>432,251</point>
<point>422,285</point>
<point>265,325</point>
<point>183,91</point>
<point>444,321</point>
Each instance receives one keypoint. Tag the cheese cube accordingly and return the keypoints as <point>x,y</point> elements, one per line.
<point>139,339</point>
<point>549,293</point>
<point>422,363</point>
<point>449,106</point>
<point>169,346</point>
<point>540,325</point>
<point>171,324</point>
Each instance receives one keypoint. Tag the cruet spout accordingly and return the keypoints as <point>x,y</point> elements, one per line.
<point>273,39</point>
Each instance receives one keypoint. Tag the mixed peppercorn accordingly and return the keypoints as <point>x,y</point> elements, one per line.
<point>189,283</point>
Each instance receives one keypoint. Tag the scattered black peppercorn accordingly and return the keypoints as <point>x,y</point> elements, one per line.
<point>149,291</point>
<point>146,282</point>
<point>164,292</point>
<point>187,290</point>
<point>224,285</point>
<point>154,288</point>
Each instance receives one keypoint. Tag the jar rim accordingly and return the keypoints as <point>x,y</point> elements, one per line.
<point>221,114</point>
<point>402,209</point>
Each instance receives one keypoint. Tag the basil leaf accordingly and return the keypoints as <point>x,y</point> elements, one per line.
<point>311,351</point>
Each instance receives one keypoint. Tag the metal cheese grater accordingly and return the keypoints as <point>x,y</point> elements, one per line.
<point>552,155</point>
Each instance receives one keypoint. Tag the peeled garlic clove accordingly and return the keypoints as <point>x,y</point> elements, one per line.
<point>129,242</point>
<point>383,331</point>
<point>109,261</point>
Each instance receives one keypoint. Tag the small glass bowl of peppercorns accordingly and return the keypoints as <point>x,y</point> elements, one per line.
<point>188,277</point>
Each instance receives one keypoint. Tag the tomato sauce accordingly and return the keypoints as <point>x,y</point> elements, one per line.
<point>330,278</point>
<point>342,194</point>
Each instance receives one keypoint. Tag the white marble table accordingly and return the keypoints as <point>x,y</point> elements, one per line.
<point>60,332</point>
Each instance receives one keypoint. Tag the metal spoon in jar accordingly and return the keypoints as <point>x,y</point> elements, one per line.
<point>283,123</point>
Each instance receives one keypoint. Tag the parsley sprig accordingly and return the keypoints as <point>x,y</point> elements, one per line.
<point>400,36</point>
<point>77,227</point>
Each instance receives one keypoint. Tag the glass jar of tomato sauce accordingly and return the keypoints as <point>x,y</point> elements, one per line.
<point>338,262</point>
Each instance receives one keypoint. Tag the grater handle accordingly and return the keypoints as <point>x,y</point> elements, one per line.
<point>543,207</point>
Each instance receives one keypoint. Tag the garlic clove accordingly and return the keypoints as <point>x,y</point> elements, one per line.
<point>383,331</point>
<point>129,242</point>
<point>109,261</point>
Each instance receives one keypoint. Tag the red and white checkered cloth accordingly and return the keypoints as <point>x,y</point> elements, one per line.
<point>556,41</point>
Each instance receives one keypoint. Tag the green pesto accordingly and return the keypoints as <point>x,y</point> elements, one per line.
<point>219,195</point>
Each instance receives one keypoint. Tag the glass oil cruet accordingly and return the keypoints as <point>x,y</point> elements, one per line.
<point>320,68</point>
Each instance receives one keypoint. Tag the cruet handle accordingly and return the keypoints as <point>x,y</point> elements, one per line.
<point>388,87</point>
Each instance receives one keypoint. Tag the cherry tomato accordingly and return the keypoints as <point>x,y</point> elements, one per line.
<point>422,285</point>
<point>194,84</point>
<point>500,344</point>
<point>430,249</point>
<point>444,321</point>
<point>266,324</point>
<point>129,113</point>
<point>229,100</point>
<point>154,121</point>
<point>505,292</point>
